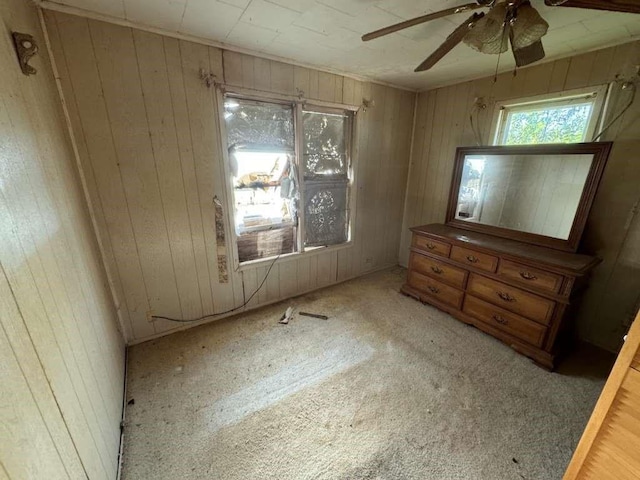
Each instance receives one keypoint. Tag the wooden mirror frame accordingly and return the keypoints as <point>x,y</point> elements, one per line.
<point>600,152</point>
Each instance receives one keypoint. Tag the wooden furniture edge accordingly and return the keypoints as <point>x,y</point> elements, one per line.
<point>611,388</point>
<point>550,266</point>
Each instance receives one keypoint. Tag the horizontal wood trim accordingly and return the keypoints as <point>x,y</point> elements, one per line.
<point>267,95</point>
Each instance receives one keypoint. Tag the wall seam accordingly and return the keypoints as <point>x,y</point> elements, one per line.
<point>409,170</point>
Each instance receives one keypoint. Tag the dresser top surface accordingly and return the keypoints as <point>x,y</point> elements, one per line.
<point>574,262</point>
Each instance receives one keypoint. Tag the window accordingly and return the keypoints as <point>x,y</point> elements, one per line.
<point>570,119</point>
<point>285,202</point>
<point>326,177</point>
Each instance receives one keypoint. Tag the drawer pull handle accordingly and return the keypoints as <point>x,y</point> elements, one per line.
<point>433,289</point>
<point>437,270</point>
<point>430,246</point>
<point>528,276</point>
<point>500,320</point>
<point>472,259</point>
<point>506,297</point>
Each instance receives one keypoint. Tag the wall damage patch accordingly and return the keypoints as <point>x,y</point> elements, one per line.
<point>221,246</point>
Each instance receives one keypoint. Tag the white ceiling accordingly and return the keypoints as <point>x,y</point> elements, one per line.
<point>326,33</point>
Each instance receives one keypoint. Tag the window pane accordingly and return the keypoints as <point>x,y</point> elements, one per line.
<point>326,181</point>
<point>260,136</point>
<point>561,124</point>
<point>258,125</point>
<point>325,151</point>
<point>263,190</point>
<point>326,214</point>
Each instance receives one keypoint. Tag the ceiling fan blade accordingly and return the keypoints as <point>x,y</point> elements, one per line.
<point>452,40</point>
<point>419,20</point>
<point>628,6</point>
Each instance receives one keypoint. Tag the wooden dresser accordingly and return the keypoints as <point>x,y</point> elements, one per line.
<point>517,292</point>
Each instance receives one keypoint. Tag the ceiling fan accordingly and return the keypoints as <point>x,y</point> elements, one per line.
<point>508,21</point>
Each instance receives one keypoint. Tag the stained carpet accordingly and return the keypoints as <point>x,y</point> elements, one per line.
<point>386,388</point>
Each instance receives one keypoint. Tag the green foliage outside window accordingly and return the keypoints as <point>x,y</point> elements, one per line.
<point>565,124</point>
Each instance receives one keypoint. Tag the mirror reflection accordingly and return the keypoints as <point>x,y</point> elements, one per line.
<point>537,194</point>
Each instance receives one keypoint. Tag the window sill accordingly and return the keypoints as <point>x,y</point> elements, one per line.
<point>253,264</point>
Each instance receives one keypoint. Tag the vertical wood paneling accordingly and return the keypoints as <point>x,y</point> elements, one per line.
<point>159,152</point>
<point>282,78</point>
<point>22,348</point>
<point>85,92</point>
<point>115,52</point>
<point>62,353</point>
<point>152,64</point>
<point>22,420</point>
<point>262,74</point>
<point>442,120</point>
<point>184,134</point>
<point>93,199</point>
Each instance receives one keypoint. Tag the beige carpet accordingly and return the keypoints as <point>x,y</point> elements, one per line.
<point>387,388</point>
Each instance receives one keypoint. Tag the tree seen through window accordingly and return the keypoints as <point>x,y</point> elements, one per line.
<point>561,124</point>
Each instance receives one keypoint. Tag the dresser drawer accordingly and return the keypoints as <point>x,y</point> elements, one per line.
<point>529,276</point>
<point>512,298</point>
<point>432,246</point>
<point>437,290</point>
<point>504,320</point>
<point>436,269</point>
<point>474,259</point>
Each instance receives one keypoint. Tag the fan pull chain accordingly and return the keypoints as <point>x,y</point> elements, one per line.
<point>505,31</point>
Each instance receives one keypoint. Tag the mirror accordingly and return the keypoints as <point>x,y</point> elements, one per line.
<point>536,193</point>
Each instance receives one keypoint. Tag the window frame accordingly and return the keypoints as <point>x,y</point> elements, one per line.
<point>298,104</point>
<point>502,109</point>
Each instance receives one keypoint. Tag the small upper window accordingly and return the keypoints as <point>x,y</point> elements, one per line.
<point>559,120</point>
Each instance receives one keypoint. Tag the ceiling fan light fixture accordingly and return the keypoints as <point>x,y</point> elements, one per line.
<point>488,34</point>
<point>527,27</point>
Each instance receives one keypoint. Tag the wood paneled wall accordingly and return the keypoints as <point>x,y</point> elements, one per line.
<point>61,354</point>
<point>148,136</point>
<point>613,228</point>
